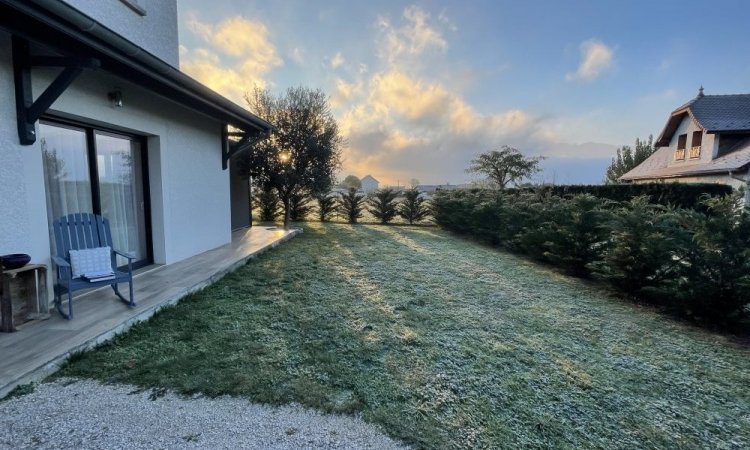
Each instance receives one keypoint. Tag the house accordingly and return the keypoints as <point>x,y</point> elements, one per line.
<point>369,184</point>
<point>97,117</point>
<point>705,140</point>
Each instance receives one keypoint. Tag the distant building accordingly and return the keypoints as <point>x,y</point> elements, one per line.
<point>369,184</point>
<point>705,140</point>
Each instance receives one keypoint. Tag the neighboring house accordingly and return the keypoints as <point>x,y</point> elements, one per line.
<point>369,184</point>
<point>705,140</point>
<point>96,117</point>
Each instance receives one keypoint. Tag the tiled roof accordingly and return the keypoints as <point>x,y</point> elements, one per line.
<point>714,113</point>
<point>722,112</point>
<point>657,165</point>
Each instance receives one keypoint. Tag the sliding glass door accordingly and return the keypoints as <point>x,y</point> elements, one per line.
<point>88,170</point>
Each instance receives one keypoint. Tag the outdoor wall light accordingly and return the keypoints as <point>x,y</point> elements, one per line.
<point>285,156</point>
<point>115,97</point>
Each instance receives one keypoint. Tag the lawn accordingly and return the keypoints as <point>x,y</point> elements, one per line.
<point>444,343</point>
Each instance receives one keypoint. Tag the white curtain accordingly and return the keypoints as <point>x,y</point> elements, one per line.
<point>66,173</point>
<point>118,164</point>
<point>68,183</point>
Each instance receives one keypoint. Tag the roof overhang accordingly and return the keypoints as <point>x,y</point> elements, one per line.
<point>65,30</point>
<point>674,121</point>
<point>695,173</point>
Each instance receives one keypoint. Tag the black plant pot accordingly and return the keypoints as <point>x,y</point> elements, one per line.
<point>14,260</point>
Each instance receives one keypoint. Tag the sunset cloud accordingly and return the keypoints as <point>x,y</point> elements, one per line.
<point>337,60</point>
<point>394,120</point>
<point>596,59</point>
<point>414,37</point>
<point>237,56</point>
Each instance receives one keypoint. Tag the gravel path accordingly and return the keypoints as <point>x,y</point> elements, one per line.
<point>85,414</point>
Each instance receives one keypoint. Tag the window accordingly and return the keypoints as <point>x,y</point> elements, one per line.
<point>679,154</point>
<point>695,144</point>
<point>682,142</point>
<point>95,171</point>
<point>697,139</point>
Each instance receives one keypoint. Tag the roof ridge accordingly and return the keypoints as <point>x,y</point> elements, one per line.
<point>724,95</point>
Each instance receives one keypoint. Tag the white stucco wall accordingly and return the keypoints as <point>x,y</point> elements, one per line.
<point>23,214</point>
<point>189,192</point>
<point>156,31</point>
<point>369,184</point>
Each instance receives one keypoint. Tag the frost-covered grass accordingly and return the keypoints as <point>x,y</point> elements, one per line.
<point>444,343</point>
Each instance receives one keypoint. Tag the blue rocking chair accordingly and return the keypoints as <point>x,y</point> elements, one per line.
<point>78,232</point>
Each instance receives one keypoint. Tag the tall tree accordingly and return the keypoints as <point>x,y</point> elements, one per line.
<point>627,158</point>
<point>326,206</point>
<point>412,207</point>
<point>382,204</point>
<point>352,181</point>
<point>304,152</point>
<point>267,202</point>
<point>351,205</point>
<point>299,206</point>
<point>505,166</point>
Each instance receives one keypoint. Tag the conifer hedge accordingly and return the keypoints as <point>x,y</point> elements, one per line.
<point>693,259</point>
<point>684,195</point>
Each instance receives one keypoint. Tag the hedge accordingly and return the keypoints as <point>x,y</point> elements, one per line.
<point>685,195</point>
<point>693,260</point>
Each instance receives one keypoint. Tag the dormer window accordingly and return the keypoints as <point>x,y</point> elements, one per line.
<point>679,154</point>
<point>695,144</point>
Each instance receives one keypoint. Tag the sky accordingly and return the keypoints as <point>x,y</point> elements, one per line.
<point>421,88</point>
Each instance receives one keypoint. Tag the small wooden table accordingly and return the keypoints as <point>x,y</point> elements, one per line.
<point>23,295</point>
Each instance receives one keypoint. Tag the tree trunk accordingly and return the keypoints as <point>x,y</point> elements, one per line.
<point>250,198</point>
<point>286,212</point>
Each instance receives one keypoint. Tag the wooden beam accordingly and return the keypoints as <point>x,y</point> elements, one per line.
<point>224,147</point>
<point>63,61</point>
<point>22,82</point>
<point>29,111</point>
<point>52,93</point>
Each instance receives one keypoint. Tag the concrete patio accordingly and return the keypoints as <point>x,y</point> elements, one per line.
<point>38,348</point>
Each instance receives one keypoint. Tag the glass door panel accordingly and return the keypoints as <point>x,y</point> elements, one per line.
<point>120,172</point>
<point>67,177</point>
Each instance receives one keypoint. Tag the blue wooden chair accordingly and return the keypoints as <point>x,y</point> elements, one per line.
<point>78,232</point>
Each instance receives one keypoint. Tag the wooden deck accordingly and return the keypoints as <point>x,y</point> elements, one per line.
<point>38,348</point>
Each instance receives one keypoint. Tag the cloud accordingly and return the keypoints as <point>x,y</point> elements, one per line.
<point>344,93</point>
<point>297,55</point>
<point>665,65</point>
<point>399,126</point>
<point>412,38</point>
<point>443,18</point>
<point>237,56</point>
<point>337,60</point>
<point>596,59</point>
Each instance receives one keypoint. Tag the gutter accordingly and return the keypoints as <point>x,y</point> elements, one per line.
<point>100,38</point>
<point>733,176</point>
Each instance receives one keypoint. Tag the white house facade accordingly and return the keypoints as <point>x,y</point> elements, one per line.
<point>97,118</point>
<point>369,184</point>
<point>706,140</point>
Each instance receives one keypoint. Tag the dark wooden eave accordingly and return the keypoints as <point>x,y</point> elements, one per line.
<point>81,43</point>
<point>28,110</point>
